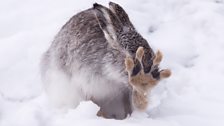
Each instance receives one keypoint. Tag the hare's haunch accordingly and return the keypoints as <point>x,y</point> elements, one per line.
<point>98,55</point>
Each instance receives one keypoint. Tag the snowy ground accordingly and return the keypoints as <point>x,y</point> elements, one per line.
<point>190,33</point>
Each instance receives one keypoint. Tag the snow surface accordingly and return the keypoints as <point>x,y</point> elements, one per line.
<point>190,33</point>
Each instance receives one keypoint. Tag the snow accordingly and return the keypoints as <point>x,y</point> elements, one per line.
<point>188,32</point>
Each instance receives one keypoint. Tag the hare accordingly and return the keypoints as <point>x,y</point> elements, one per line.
<point>93,57</point>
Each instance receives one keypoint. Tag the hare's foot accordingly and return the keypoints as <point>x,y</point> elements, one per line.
<point>116,107</point>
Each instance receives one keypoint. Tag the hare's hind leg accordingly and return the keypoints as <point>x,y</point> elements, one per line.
<point>117,106</point>
<point>60,91</point>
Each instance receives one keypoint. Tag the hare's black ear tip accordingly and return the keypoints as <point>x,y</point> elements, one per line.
<point>95,5</point>
<point>112,3</point>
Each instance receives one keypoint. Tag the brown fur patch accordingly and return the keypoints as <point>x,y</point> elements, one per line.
<point>140,101</point>
<point>165,73</point>
<point>139,53</point>
<point>142,82</point>
<point>100,113</point>
<point>158,57</point>
<point>142,78</point>
<point>129,64</point>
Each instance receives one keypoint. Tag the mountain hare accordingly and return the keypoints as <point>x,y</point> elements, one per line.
<point>98,55</point>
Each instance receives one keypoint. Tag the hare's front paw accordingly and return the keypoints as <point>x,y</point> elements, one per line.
<point>140,101</point>
<point>140,81</point>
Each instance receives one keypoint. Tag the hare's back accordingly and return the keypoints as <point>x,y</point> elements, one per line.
<point>82,40</point>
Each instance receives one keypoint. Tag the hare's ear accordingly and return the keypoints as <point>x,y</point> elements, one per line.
<point>108,22</point>
<point>121,15</point>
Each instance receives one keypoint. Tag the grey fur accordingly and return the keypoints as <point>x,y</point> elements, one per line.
<point>81,45</point>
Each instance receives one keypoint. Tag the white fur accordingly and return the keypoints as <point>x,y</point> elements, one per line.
<point>109,27</point>
<point>114,73</point>
<point>59,89</point>
<point>67,92</point>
